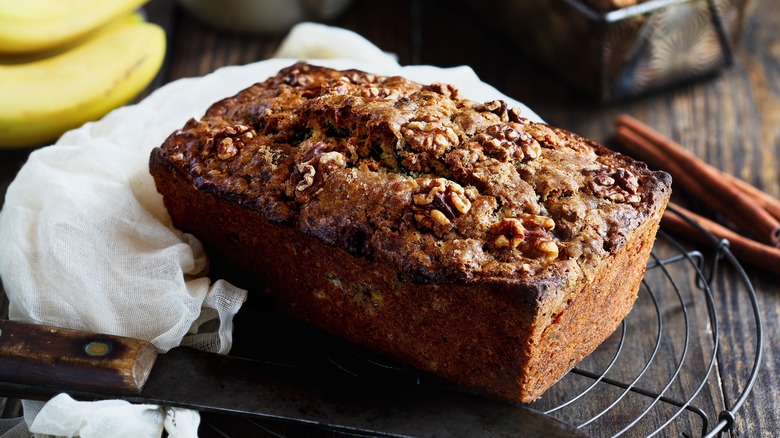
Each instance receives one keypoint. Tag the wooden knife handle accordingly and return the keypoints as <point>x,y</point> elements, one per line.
<point>63,358</point>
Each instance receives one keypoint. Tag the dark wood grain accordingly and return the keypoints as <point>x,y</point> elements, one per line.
<point>730,120</point>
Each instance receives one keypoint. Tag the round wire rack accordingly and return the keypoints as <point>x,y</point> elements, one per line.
<point>670,369</point>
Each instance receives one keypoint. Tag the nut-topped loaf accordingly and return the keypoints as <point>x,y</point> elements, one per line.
<point>453,235</point>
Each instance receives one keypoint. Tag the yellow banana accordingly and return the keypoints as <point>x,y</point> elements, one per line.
<point>38,25</point>
<point>42,99</point>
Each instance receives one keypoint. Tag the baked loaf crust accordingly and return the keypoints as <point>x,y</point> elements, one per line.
<point>453,235</point>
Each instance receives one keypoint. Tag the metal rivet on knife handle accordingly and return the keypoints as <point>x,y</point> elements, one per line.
<point>98,348</point>
<point>64,359</point>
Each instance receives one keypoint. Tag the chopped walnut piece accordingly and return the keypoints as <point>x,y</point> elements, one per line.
<point>226,149</point>
<point>617,185</point>
<point>548,248</point>
<point>333,159</point>
<point>228,141</point>
<point>443,89</point>
<point>443,201</point>
<point>460,202</point>
<point>380,92</point>
<point>514,116</point>
<point>307,171</point>
<point>439,217</point>
<point>315,169</point>
<point>497,107</point>
<point>538,221</point>
<point>510,233</point>
<point>543,134</point>
<point>527,233</point>
<point>428,134</point>
<point>505,141</point>
<point>445,192</point>
<point>370,92</point>
<point>405,104</point>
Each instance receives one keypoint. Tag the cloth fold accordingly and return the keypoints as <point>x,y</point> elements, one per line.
<point>88,244</point>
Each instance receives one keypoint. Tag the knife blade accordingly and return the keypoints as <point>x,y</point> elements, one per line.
<point>38,362</point>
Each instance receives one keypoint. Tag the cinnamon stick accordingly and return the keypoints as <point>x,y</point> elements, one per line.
<point>746,249</point>
<point>765,200</point>
<point>699,179</point>
<point>647,151</point>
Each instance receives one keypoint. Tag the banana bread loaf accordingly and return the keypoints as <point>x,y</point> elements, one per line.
<point>455,236</point>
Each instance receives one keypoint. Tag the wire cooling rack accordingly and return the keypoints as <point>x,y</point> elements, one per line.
<point>670,369</point>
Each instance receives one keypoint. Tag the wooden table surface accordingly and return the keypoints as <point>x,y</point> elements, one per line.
<point>731,120</point>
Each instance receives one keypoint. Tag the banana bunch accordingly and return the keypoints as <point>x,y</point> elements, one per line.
<point>64,63</point>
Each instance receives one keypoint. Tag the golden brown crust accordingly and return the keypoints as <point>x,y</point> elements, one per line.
<point>451,234</point>
<point>443,187</point>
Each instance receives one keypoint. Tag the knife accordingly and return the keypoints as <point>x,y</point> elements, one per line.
<point>38,362</point>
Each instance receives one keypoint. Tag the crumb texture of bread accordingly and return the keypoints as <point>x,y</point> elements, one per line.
<point>454,235</point>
